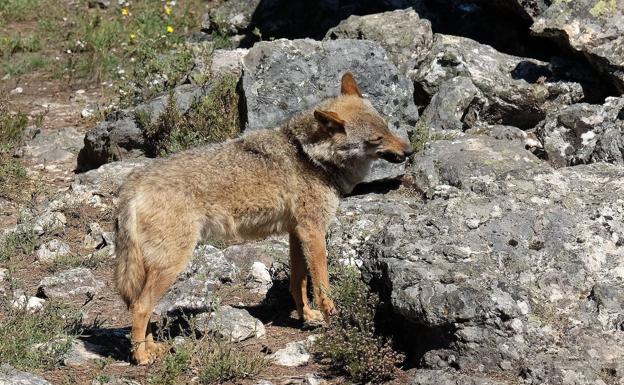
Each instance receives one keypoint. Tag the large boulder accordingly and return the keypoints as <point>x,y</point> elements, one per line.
<point>593,27</point>
<point>283,77</point>
<point>516,91</point>
<point>507,267</point>
<point>74,285</point>
<point>121,136</point>
<point>584,133</point>
<point>402,33</point>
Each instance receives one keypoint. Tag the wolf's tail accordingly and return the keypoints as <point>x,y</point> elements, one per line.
<point>130,272</point>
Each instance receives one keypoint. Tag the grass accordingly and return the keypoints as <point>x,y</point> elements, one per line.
<point>92,261</point>
<point>16,244</point>
<point>213,361</point>
<point>420,137</point>
<point>126,43</point>
<point>13,175</point>
<point>212,119</point>
<point>36,340</point>
<point>350,344</point>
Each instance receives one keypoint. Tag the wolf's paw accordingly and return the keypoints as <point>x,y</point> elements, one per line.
<point>328,308</point>
<point>312,318</point>
<point>142,357</point>
<point>156,349</point>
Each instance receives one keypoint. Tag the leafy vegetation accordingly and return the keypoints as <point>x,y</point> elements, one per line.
<point>212,119</point>
<point>39,339</point>
<point>350,343</point>
<point>121,43</point>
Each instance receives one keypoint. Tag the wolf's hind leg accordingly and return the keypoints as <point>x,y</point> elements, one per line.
<point>158,281</point>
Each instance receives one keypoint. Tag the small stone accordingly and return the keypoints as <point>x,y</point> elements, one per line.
<point>31,304</point>
<point>12,376</point>
<point>473,223</point>
<point>260,276</point>
<point>294,354</point>
<point>16,91</point>
<point>231,324</point>
<point>52,250</point>
<point>505,365</point>
<point>87,112</point>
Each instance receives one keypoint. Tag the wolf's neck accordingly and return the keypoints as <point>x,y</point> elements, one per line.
<point>344,174</point>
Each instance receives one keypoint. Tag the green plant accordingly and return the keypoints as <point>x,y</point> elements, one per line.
<point>212,119</point>
<point>173,367</point>
<point>17,243</point>
<point>220,361</point>
<point>420,136</point>
<point>36,340</point>
<point>350,343</point>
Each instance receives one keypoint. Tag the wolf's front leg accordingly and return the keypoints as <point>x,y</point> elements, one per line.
<point>312,242</point>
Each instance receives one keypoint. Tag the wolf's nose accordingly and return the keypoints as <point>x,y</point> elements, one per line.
<point>408,152</point>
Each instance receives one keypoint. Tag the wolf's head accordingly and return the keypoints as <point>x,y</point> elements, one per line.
<point>348,133</point>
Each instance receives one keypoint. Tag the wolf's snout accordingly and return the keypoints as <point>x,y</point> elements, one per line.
<point>391,156</point>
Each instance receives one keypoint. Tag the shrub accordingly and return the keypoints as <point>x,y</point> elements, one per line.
<point>350,343</point>
<point>212,119</point>
<point>36,340</point>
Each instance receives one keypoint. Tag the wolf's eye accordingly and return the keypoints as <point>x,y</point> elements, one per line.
<point>376,140</point>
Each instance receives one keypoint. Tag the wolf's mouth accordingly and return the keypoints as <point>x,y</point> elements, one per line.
<point>391,157</point>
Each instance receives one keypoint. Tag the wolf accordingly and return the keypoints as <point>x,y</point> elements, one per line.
<point>285,180</point>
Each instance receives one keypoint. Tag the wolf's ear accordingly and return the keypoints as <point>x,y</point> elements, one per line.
<point>349,86</point>
<point>330,121</point>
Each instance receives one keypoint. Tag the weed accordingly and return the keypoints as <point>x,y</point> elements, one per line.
<point>220,361</point>
<point>420,137</point>
<point>72,260</point>
<point>36,340</point>
<point>17,243</point>
<point>212,119</point>
<point>350,343</point>
<point>173,367</point>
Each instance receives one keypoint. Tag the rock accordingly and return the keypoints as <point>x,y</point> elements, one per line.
<point>76,284</point>
<point>402,33</point>
<point>108,178</point>
<point>16,91</point>
<point>294,354</point>
<point>120,136</point>
<point>233,17</point>
<point>449,106</point>
<point>95,237</point>
<point>188,295</point>
<point>31,304</point>
<point>83,353</point>
<point>50,251</point>
<point>594,28</point>
<point>231,324</point>
<point>266,251</point>
<point>12,376</point>
<point>284,77</point>
<point>210,263</point>
<point>470,163</point>
<point>260,276</point>
<point>114,380</point>
<point>228,61</point>
<point>517,266</point>
<point>516,91</point>
<point>584,133</point>
<point>49,222</point>
<point>441,377</point>
<point>102,4</point>
<point>53,146</point>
